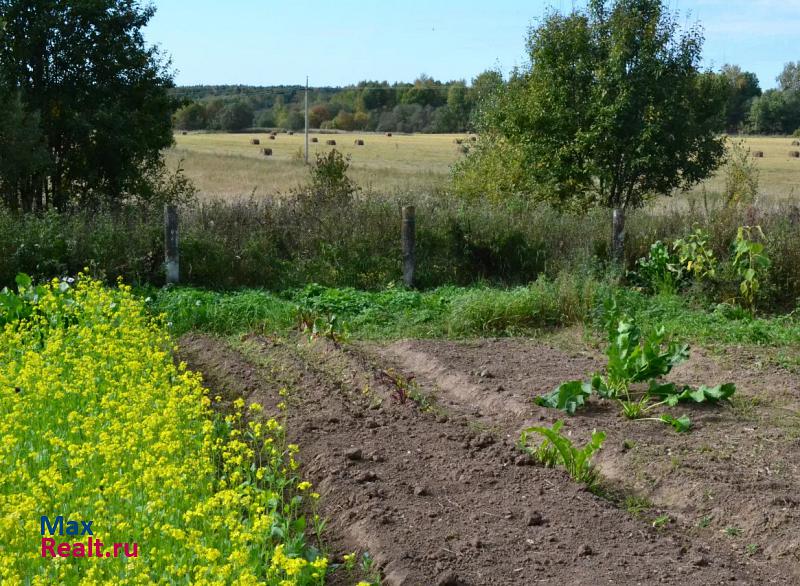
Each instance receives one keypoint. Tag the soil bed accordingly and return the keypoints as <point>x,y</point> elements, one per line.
<point>434,488</point>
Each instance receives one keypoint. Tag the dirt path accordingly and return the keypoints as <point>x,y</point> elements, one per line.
<point>443,497</point>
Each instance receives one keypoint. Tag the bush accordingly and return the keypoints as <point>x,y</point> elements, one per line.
<point>741,176</point>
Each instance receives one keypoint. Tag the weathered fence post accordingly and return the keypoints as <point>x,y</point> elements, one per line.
<point>171,243</point>
<point>409,228</point>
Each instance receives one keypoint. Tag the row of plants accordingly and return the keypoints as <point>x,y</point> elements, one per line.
<point>100,424</point>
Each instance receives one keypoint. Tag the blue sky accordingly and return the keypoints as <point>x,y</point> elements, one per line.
<point>262,42</point>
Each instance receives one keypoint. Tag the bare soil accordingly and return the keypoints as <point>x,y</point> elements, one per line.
<point>412,446</point>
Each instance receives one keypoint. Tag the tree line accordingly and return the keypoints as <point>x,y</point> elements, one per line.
<point>426,105</point>
<point>429,105</point>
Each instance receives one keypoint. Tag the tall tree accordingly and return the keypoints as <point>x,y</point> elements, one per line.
<point>612,109</point>
<point>789,79</point>
<point>100,94</point>
<point>743,87</point>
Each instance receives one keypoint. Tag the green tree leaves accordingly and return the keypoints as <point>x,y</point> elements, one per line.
<point>612,109</point>
<point>99,94</point>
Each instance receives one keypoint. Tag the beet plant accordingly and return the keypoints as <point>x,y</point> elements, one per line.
<point>558,449</point>
<point>632,361</point>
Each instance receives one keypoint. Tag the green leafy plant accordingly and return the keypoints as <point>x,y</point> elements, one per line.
<point>681,424</point>
<point>695,255</point>
<point>556,446</point>
<point>566,396</point>
<point>633,359</point>
<point>661,521</point>
<point>331,328</point>
<point>660,271</point>
<point>546,452</point>
<point>316,326</point>
<point>750,263</point>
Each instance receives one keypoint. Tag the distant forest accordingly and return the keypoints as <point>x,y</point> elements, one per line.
<point>429,105</point>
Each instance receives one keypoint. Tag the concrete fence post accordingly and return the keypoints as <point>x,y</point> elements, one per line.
<point>409,241</point>
<point>171,257</point>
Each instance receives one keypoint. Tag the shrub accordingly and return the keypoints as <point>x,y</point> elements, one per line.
<point>741,176</point>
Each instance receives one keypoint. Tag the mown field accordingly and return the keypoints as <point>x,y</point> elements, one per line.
<point>228,166</point>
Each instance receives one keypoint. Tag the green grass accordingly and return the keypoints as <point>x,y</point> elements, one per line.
<point>458,312</point>
<point>220,313</point>
<point>691,319</point>
<point>391,313</point>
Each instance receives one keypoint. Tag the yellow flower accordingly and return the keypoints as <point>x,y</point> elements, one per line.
<point>110,428</point>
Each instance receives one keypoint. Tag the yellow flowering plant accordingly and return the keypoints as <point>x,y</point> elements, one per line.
<point>99,425</point>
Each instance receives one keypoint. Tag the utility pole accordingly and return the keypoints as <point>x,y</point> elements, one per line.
<point>306,120</point>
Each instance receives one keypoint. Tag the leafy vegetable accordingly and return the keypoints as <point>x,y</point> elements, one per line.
<point>567,396</point>
<point>702,394</point>
<point>681,424</point>
<point>576,461</point>
<point>632,359</point>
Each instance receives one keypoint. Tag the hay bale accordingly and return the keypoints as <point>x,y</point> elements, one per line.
<point>290,133</point>
<point>758,154</point>
<point>184,133</point>
<point>255,141</point>
<point>388,134</point>
<point>794,154</point>
<point>458,140</point>
<point>330,142</point>
<point>267,151</point>
<point>473,138</point>
<point>272,137</point>
<point>358,142</point>
<point>314,139</point>
<point>796,143</point>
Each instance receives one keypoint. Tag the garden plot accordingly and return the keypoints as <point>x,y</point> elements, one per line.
<point>412,446</point>
<point>733,478</point>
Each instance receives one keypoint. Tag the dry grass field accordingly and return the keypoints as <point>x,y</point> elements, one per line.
<point>228,166</point>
